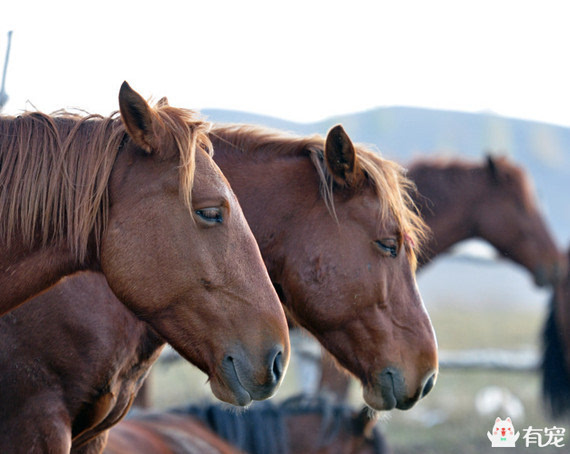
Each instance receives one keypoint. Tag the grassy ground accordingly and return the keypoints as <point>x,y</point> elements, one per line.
<point>446,421</point>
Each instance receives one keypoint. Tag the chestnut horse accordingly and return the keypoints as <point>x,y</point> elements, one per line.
<point>493,201</point>
<point>556,360</point>
<point>307,425</point>
<point>372,288</point>
<point>336,227</point>
<point>140,199</point>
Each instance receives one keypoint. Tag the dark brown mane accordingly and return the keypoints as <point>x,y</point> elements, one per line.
<point>54,171</point>
<point>392,187</point>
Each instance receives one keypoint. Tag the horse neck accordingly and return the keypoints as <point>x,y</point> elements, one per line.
<point>33,261</point>
<point>447,198</point>
<point>25,273</point>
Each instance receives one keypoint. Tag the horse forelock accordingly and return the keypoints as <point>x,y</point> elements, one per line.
<point>393,189</point>
<point>55,170</point>
<point>188,133</point>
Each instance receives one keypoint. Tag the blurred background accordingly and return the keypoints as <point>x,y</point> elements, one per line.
<point>410,78</point>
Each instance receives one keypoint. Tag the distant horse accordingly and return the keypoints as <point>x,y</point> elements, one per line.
<point>493,201</point>
<point>166,433</point>
<point>318,239</point>
<point>301,424</point>
<point>556,360</point>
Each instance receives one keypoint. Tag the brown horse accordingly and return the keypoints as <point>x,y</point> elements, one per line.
<point>308,425</point>
<point>141,199</point>
<point>493,201</point>
<point>337,230</point>
<point>556,360</point>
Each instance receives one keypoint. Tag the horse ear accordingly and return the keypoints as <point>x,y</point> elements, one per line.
<point>340,157</point>
<point>162,102</point>
<point>492,166</point>
<point>137,117</point>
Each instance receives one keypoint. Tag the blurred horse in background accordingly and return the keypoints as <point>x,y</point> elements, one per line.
<point>165,433</point>
<point>301,424</point>
<point>494,201</point>
<point>556,358</point>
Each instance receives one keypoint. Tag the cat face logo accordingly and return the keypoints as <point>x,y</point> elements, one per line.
<point>503,434</point>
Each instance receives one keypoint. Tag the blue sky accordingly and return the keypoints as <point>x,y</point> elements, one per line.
<point>298,60</point>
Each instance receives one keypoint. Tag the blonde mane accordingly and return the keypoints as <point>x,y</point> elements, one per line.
<point>55,169</point>
<point>393,189</point>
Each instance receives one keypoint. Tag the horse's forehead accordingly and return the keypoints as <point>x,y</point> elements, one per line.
<point>367,207</point>
<point>208,178</point>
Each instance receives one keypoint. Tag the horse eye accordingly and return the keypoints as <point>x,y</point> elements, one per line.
<point>388,246</point>
<point>211,215</point>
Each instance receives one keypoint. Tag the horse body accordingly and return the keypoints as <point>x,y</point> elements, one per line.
<point>140,199</point>
<point>299,425</point>
<point>493,201</point>
<point>166,434</point>
<point>75,381</point>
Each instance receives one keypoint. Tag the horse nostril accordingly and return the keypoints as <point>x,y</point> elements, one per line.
<point>428,385</point>
<point>277,368</point>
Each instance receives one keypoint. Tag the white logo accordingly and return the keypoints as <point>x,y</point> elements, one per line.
<point>503,434</point>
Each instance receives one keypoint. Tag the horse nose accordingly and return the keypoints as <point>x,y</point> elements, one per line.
<point>278,367</point>
<point>430,382</point>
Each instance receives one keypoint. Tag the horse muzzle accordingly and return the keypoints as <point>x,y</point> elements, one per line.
<point>246,381</point>
<point>390,390</point>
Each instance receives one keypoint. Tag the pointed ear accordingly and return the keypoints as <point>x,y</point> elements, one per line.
<point>498,420</point>
<point>340,157</point>
<point>137,117</point>
<point>162,102</point>
<point>508,419</point>
<point>493,168</point>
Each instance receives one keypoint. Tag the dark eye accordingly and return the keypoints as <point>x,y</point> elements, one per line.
<point>211,214</point>
<point>388,246</point>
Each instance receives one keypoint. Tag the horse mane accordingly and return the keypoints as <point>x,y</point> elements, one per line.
<point>262,427</point>
<point>55,169</point>
<point>393,189</point>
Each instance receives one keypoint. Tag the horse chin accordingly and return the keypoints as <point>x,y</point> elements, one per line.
<point>232,393</point>
<point>378,400</point>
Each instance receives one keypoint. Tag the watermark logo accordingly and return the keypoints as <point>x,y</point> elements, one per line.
<point>553,436</point>
<point>503,434</point>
